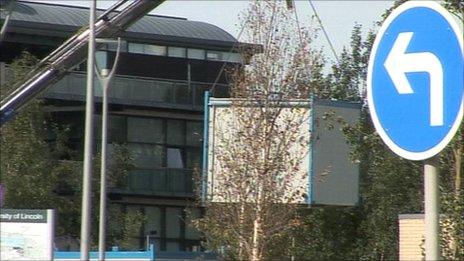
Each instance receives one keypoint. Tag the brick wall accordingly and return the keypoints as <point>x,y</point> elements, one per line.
<point>411,235</point>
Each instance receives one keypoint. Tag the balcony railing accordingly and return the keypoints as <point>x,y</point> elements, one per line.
<point>139,91</point>
<point>161,182</point>
<point>129,90</point>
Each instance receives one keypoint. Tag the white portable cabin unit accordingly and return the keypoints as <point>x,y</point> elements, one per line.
<point>326,175</point>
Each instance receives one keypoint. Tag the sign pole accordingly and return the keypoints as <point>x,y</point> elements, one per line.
<point>88,142</point>
<point>413,125</point>
<point>431,196</point>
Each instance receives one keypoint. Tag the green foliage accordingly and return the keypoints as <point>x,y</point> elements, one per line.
<point>25,157</point>
<point>389,185</point>
<point>327,233</point>
<point>31,171</point>
<point>120,164</point>
<point>456,7</point>
<point>452,226</point>
<point>38,169</point>
<point>347,78</point>
<point>125,227</point>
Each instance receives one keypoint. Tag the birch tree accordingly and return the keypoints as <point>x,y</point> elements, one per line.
<point>261,159</point>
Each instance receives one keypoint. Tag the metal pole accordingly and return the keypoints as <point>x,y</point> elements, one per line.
<point>102,223</point>
<point>432,247</point>
<point>105,79</point>
<point>88,142</point>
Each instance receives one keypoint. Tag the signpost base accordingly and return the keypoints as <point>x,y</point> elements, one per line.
<point>431,196</point>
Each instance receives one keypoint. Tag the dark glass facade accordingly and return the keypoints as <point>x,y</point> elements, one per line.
<point>168,227</point>
<point>155,104</point>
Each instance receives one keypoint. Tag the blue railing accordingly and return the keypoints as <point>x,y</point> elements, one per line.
<point>148,255</point>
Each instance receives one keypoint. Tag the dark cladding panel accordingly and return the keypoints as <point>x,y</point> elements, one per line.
<point>335,178</point>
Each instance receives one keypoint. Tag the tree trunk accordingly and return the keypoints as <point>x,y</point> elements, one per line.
<point>241,232</point>
<point>255,253</point>
<point>458,167</point>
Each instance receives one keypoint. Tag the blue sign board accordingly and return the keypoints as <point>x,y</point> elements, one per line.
<point>415,82</point>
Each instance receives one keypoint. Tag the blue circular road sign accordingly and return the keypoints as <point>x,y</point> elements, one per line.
<point>415,82</point>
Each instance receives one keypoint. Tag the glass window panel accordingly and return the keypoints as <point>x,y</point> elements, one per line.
<point>162,92</point>
<point>177,52</point>
<point>134,210</point>
<point>101,59</point>
<point>177,180</point>
<point>173,218</point>
<point>157,244</point>
<point>190,231</point>
<point>97,126</point>
<point>98,90</point>
<point>140,180</point>
<point>200,90</point>
<point>114,46</point>
<point>146,156</point>
<point>194,133</point>
<point>79,81</point>
<point>172,246</point>
<point>117,128</point>
<point>174,158</point>
<point>146,130</point>
<point>175,132</point>
<point>188,180</point>
<point>232,57</point>
<point>120,88</point>
<point>136,48</point>
<point>182,94</point>
<point>153,221</point>
<point>212,55</point>
<point>155,50</point>
<point>140,91</point>
<point>159,180</point>
<point>194,158</point>
<point>196,54</point>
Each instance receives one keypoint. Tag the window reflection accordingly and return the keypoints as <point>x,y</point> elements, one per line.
<point>174,158</point>
<point>164,152</point>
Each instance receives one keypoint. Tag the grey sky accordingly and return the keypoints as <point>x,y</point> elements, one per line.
<point>338,17</point>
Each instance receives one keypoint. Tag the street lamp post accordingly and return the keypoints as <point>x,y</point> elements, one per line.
<point>105,77</point>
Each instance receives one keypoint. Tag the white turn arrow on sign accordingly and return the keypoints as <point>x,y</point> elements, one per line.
<point>398,63</point>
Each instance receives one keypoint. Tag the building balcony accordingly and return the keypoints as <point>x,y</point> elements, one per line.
<point>166,182</point>
<point>138,91</point>
<point>135,91</point>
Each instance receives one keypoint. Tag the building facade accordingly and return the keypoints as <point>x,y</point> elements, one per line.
<point>155,103</point>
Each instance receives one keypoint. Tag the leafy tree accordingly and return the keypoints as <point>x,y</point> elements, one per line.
<point>456,7</point>
<point>38,170</point>
<point>347,78</point>
<point>452,165</point>
<point>24,172</point>
<point>389,184</point>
